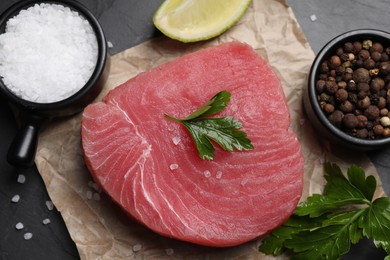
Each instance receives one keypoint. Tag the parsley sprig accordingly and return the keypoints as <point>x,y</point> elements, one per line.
<point>324,226</point>
<point>223,131</point>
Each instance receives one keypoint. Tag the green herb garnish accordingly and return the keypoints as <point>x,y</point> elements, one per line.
<point>324,226</point>
<point>223,131</point>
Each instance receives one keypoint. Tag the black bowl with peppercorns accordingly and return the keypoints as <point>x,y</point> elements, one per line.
<point>348,94</point>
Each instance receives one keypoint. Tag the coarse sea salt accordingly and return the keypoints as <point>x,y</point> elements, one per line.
<point>49,205</point>
<point>137,247</point>
<point>46,221</point>
<point>21,178</point>
<point>19,226</point>
<point>15,198</point>
<point>47,53</point>
<point>173,166</point>
<point>28,236</point>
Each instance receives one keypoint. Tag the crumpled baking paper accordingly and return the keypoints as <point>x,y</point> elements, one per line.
<point>98,227</point>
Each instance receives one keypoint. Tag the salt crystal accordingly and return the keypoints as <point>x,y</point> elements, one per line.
<point>169,251</point>
<point>46,221</point>
<point>19,226</point>
<point>137,247</point>
<point>28,235</point>
<point>313,17</point>
<point>89,194</point>
<point>15,198</point>
<point>207,174</point>
<point>218,175</point>
<point>49,205</point>
<point>21,178</point>
<point>96,196</point>
<point>173,166</point>
<point>176,140</point>
<point>244,182</point>
<point>33,38</point>
<point>109,44</point>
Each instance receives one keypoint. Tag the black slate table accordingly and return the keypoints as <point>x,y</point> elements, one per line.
<point>127,23</point>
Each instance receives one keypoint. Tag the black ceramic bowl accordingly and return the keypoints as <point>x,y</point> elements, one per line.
<point>22,150</point>
<point>312,107</point>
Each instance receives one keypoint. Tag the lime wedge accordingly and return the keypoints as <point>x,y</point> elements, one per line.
<point>197,20</point>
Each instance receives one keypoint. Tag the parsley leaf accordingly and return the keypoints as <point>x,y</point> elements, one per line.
<point>330,222</point>
<point>223,131</point>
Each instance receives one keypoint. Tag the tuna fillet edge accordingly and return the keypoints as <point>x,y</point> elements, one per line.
<point>149,164</point>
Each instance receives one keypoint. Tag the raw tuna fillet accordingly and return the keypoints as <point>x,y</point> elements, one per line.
<point>150,166</point>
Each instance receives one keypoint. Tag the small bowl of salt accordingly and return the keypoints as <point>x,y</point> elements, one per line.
<point>53,62</point>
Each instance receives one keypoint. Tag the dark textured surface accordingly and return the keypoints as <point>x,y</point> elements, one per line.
<point>128,23</point>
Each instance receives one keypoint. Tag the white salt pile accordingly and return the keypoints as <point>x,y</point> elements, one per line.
<point>47,53</point>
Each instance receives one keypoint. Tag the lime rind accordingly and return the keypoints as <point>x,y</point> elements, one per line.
<point>191,26</point>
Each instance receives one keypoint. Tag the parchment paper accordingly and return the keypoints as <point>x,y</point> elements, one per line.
<point>98,227</point>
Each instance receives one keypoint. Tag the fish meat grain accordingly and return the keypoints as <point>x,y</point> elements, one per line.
<point>163,184</point>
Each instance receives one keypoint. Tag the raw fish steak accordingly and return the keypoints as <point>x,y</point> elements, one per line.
<point>150,166</point>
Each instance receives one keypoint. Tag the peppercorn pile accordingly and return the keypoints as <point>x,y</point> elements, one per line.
<point>353,89</point>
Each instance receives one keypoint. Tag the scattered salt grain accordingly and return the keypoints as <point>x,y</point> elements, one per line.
<point>244,182</point>
<point>313,17</point>
<point>137,247</point>
<point>15,198</point>
<point>173,166</point>
<point>176,140</point>
<point>109,44</point>
<point>89,194</point>
<point>21,178</point>
<point>49,205</point>
<point>19,226</point>
<point>33,38</point>
<point>28,236</point>
<point>46,221</point>
<point>169,251</point>
<point>218,175</point>
<point>94,186</point>
<point>207,174</point>
<point>96,196</point>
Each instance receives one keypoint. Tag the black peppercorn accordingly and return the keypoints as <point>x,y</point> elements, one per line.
<point>348,47</point>
<point>358,64</point>
<point>351,86</point>
<point>346,107</point>
<point>324,67</point>
<point>376,47</point>
<point>330,87</point>
<point>364,103</point>
<point>376,56</point>
<point>369,64</point>
<point>334,61</point>
<point>384,68</point>
<point>339,51</point>
<point>372,112</point>
<point>320,85</point>
<point>362,121</point>
<point>381,103</point>
<point>384,56</point>
<point>364,54</point>
<point>357,46</point>
<point>361,75</point>
<point>341,95</point>
<point>378,130</point>
<point>328,108</point>
<point>350,121</point>
<point>336,118</point>
<point>362,133</point>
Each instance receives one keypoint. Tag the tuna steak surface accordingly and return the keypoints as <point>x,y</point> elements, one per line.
<point>149,165</point>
